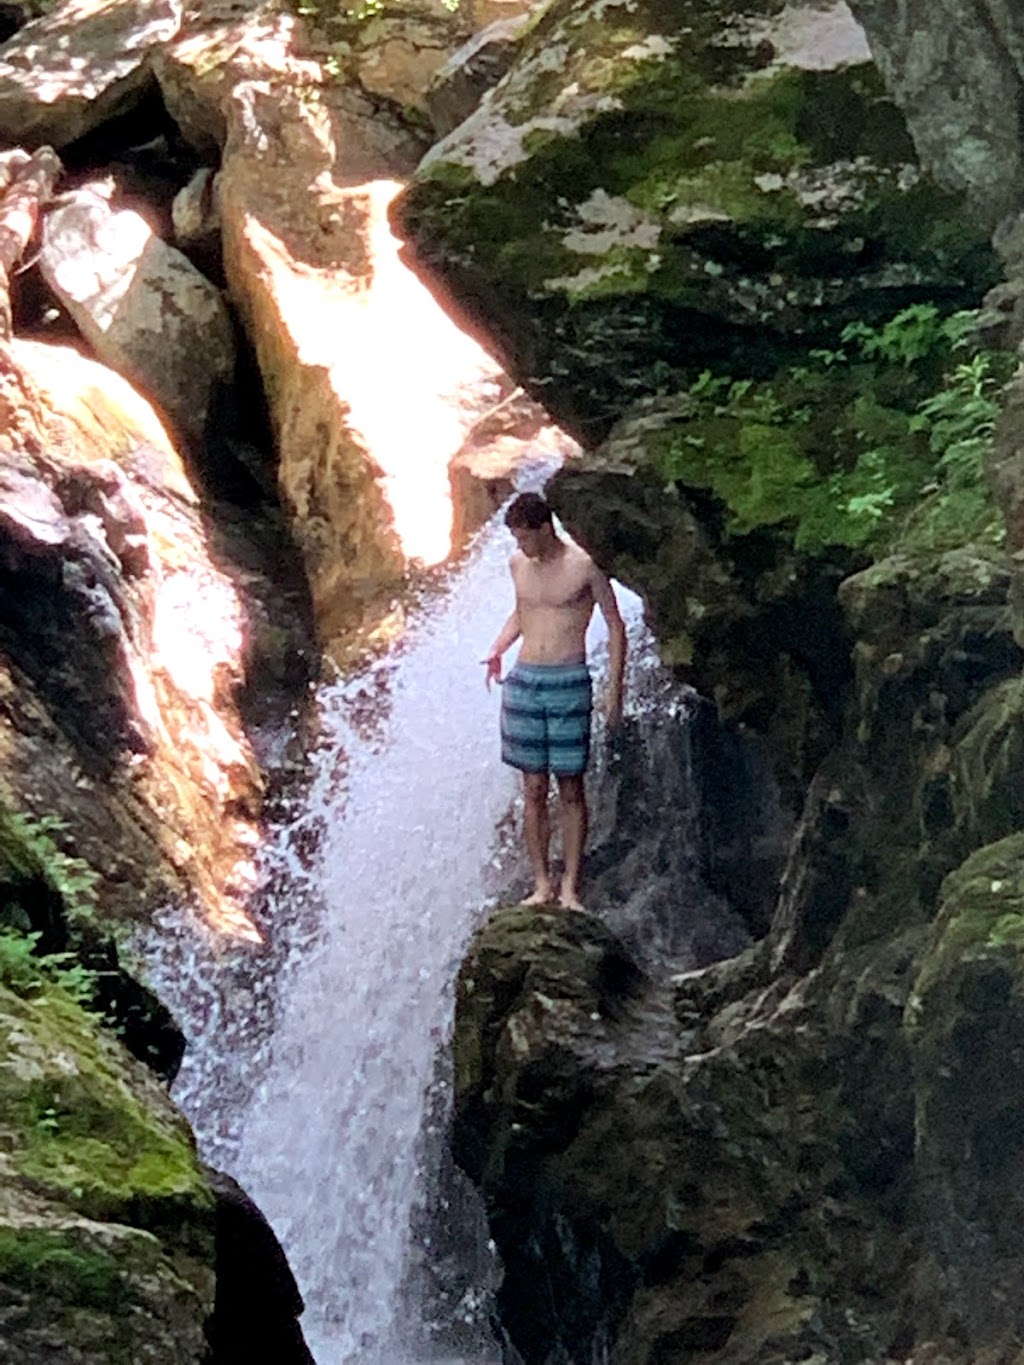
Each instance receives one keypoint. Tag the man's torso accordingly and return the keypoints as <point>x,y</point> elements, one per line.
<point>555,601</point>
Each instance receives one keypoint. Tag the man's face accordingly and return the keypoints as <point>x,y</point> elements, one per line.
<point>531,542</point>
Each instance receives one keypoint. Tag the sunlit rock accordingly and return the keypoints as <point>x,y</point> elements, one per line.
<point>82,63</point>
<point>648,193</point>
<point>371,387</point>
<point>122,644</point>
<point>145,309</point>
<point>398,50</point>
<point>515,435</point>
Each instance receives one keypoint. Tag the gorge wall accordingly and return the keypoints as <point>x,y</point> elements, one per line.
<point>738,250</point>
<point>723,242</point>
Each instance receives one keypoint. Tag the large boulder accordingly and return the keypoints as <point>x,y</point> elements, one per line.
<point>370,388</point>
<point>144,308</point>
<point>680,1194</point>
<point>73,68</point>
<point>650,191</point>
<point>106,1216</point>
<point>948,66</point>
<point>818,1156</point>
<point>123,643</point>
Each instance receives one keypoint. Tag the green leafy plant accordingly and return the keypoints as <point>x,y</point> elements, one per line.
<point>876,442</point>
<point>28,973</point>
<point>29,842</point>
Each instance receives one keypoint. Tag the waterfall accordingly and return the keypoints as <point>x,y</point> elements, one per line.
<point>319,1081</point>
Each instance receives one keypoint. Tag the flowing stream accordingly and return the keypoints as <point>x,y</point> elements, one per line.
<point>319,1080</point>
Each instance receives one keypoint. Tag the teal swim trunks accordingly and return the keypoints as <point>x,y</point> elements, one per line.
<point>545,718</point>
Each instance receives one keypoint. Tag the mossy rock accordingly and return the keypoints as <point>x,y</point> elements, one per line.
<point>746,617</point>
<point>106,1217</point>
<point>660,186</point>
<point>966,1026</point>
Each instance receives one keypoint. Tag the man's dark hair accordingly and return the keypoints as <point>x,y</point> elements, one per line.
<point>528,512</point>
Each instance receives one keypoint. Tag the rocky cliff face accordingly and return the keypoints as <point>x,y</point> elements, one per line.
<point>123,642</point>
<point>810,1151</point>
<point>656,189</point>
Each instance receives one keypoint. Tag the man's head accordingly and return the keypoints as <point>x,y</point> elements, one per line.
<point>529,519</point>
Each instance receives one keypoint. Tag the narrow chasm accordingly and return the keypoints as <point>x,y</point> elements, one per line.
<point>295,304</point>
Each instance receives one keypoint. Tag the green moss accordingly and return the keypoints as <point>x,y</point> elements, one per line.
<point>984,908</point>
<point>51,1265</point>
<point>80,1132</point>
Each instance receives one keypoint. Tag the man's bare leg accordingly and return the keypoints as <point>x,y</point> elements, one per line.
<point>573,802</point>
<point>537,828</point>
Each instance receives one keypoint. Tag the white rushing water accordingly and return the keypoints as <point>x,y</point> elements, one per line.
<point>331,1146</point>
<point>313,1081</point>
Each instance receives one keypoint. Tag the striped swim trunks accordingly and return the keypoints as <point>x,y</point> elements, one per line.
<point>545,718</point>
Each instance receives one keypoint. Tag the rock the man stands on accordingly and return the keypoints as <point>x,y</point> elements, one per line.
<point>545,711</point>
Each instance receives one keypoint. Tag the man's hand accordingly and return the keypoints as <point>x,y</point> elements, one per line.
<point>493,665</point>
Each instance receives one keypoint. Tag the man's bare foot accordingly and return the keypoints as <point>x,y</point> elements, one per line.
<point>543,895</point>
<point>569,899</point>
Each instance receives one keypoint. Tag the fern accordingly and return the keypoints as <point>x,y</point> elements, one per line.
<point>28,973</point>
<point>878,442</point>
<point>29,844</point>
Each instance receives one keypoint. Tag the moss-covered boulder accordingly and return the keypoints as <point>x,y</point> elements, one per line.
<point>706,1193</point>
<point>738,507</point>
<point>659,186</point>
<point>966,1024</point>
<point>106,1217</point>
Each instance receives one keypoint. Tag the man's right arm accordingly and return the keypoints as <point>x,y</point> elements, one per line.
<point>507,636</point>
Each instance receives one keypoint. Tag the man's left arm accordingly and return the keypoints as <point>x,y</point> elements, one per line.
<point>604,596</point>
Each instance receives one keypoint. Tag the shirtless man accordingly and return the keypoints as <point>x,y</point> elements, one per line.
<point>545,710</point>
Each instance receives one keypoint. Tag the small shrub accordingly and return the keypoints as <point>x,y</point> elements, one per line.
<point>29,973</point>
<point>877,442</point>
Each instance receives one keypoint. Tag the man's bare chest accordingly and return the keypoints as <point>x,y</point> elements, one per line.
<point>538,587</point>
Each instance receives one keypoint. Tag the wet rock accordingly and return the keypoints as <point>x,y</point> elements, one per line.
<point>629,206</point>
<point>122,643</point>
<point>144,308</point>
<point>69,70</point>
<point>633,1176</point>
<point>512,435</point>
<point>652,806</point>
<point>257,1303</point>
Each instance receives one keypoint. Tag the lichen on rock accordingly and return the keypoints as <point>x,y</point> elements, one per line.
<point>653,188</point>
